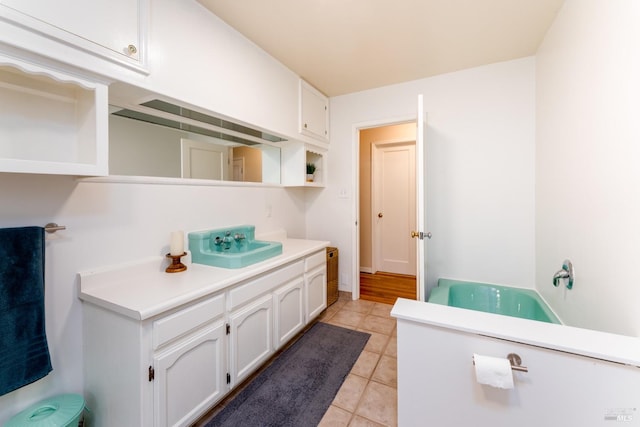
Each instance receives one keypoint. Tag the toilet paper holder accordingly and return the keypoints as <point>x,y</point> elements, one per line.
<point>516,363</point>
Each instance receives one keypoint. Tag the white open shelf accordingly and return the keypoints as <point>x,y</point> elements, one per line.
<point>51,122</point>
<point>295,157</point>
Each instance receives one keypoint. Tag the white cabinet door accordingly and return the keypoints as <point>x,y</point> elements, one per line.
<point>190,377</point>
<point>314,112</point>
<point>316,291</point>
<point>251,337</point>
<point>114,28</point>
<point>289,309</point>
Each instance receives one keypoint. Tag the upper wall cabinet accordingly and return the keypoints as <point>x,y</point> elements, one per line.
<point>314,112</point>
<point>51,122</point>
<point>111,29</point>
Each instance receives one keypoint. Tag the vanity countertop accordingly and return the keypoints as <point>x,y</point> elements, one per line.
<point>143,289</point>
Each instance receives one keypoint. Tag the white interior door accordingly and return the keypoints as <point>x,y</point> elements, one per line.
<point>394,210</point>
<point>203,160</point>
<point>238,168</point>
<point>419,233</point>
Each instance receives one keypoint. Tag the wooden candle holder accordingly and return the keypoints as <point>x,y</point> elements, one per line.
<point>176,266</point>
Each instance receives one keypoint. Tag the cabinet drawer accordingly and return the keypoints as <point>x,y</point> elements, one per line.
<point>315,260</point>
<point>181,322</point>
<point>264,284</point>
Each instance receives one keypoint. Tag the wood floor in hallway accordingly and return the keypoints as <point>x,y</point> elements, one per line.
<point>386,287</point>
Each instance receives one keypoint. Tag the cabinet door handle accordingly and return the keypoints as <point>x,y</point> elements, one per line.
<point>132,49</point>
<point>379,214</point>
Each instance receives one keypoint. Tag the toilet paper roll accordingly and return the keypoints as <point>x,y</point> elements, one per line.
<point>493,371</point>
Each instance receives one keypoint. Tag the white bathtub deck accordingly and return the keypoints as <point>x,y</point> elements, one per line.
<point>583,342</point>
<point>574,377</point>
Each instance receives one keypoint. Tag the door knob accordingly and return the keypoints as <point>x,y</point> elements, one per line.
<point>379,214</point>
<point>421,235</point>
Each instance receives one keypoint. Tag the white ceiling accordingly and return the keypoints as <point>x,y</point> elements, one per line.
<point>344,46</point>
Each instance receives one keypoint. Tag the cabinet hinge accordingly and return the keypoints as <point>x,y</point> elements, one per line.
<point>152,373</point>
<point>228,378</point>
<point>228,329</point>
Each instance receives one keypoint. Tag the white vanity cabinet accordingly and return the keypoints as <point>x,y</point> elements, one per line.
<point>189,369</point>
<point>161,372</point>
<point>289,311</point>
<point>313,112</point>
<point>250,341</point>
<point>162,349</point>
<point>315,283</point>
<point>251,320</point>
<point>112,29</point>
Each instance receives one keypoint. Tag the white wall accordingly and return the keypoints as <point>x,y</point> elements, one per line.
<point>480,171</point>
<point>588,163</point>
<point>114,223</point>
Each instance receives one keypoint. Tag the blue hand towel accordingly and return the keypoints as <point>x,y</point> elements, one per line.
<point>24,354</point>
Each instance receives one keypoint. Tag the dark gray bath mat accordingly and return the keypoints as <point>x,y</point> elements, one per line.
<point>298,387</point>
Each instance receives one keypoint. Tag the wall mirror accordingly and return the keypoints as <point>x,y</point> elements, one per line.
<point>161,139</point>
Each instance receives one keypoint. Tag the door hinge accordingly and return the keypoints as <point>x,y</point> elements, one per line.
<point>228,378</point>
<point>228,329</point>
<point>152,373</point>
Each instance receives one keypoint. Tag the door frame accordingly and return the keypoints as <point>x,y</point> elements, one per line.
<point>374,196</point>
<point>355,184</point>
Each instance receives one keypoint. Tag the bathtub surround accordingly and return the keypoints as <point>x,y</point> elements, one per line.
<point>575,377</point>
<point>587,174</point>
<point>298,387</point>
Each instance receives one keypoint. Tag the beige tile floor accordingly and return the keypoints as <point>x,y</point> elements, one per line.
<point>368,397</point>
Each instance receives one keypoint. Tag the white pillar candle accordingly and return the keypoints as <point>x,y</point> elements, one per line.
<point>177,243</point>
